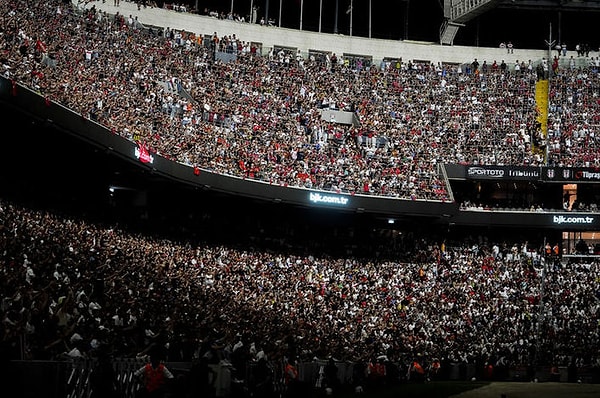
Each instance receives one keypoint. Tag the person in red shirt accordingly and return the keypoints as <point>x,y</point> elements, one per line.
<point>290,378</point>
<point>416,372</point>
<point>155,376</point>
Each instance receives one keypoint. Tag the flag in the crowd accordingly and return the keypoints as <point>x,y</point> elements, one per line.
<point>143,153</point>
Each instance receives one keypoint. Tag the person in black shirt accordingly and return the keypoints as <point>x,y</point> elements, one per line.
<point>331,375</point>
<point>475,66</point>
<point>261,381</point>
<point>103,379</point>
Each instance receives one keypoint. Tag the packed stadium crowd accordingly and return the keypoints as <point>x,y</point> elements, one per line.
<point>70,286</point>
<point>259,116</point>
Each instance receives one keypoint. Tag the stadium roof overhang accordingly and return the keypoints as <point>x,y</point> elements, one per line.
<point>551,5</point>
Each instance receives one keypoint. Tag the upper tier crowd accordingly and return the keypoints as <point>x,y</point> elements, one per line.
<point>70,287</point>
<point>259,116</point>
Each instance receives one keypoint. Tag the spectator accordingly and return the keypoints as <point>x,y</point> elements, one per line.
<point>416,371</point>
<point>155,377</point>
<point>581,247</point>
<point>203,379</point>
<point>475,66</point>
<point>292,383</point>
<point>103,379</point>
<point>332,380</point>
<point>262,382</point>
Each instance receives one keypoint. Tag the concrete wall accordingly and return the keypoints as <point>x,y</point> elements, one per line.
<point>305,40</point>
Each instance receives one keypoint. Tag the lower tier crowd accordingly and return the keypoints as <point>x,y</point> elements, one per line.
<point>70,287</point>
